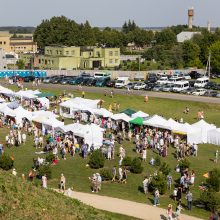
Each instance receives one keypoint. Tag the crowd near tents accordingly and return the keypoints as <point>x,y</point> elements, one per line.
<point>198,133</point>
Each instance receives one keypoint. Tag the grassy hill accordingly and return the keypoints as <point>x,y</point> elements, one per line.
<point>20,199</point>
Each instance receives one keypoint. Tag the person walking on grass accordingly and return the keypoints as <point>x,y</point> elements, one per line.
<point>216,156</point>
<point>179,208</point>
<point>44,181</point>
<point>189,198</point>
<point>114,172</point>
<point>170,212</point>
<point>156,197</point>
<point>120,174</point>
<point>62,182</point>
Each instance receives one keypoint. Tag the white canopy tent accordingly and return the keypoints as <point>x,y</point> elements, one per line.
<point>2,100</point>
<point>7,111</point>
<point>68,107</point>
<point>214,136</point>
<point>91,133</point>
<point>21,113</point>
<point>44,102</point>
<point>193,134</point>
<point>172,124</point>
<point>205,128</point>
<point>121,116</point>
<point>157,121</point>
<point>140,114</point>
<point>101,112</point>
<point>5,91</point>
<point>27,94</point>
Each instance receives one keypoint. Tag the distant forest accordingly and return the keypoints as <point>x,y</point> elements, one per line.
<point>18,29</point>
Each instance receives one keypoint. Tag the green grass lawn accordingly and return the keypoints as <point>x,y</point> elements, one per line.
<point>76,172</point>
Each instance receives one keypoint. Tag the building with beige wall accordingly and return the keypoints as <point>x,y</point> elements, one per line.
<point>17,44</point>
<point>71,58</point>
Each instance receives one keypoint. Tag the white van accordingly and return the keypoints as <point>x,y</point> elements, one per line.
<point>175,79</point>
<point>163,80</point>
<point>122,82</point>
<point>101,74</point>
<point>201,82</point>
<point>180,86</point>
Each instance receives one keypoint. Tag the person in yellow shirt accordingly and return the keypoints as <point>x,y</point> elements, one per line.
<point>83,94</point>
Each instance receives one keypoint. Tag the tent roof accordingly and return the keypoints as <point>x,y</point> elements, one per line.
<point>80,103</point>
<point>45,94</point>
<point>121,116</point>
<point>137,121</point>
<point>172,124</point>
<point>140,114</point>
<point>157,121</point>
<point>28,94</point>
<point>48,120</point>
<point>203,125</point>
<point>129,111</point>
<point>101,111</point>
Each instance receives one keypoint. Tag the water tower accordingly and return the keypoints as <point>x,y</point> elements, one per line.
<point>190,17</point>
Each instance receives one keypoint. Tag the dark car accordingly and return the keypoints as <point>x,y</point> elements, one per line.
<point>110,83</point>
<point>29,78</point>
<point>188,91</point>
<point>66,79</point>
<point>149,86</point>
<point>76,81</point>
<point>57,79</point>
<point>130,85</point>
<point>216,87</point>
<point>48,79</point>
<point>84,75</point>
<point>152,78</point>
<point>191,83</point>
<point>102,81</point>
<point>211,93</point>
<point>195,75</point>
<point>91,82</point>
<point>210,85</point>
<point>85,80</point>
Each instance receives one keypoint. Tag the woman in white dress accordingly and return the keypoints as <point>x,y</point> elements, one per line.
<point>144,154</point>
<point>192,178</point>
<point>44,181</point>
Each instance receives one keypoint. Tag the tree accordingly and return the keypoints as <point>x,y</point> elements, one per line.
<point>166,37</point>
<point>136,165</point>
<point>97,159</point>
<point>6,162</point>
<point>215,58</point>
<point>191,53</point>
<point>214,180</point>
<point>20,64</point>
<point>210,199</point>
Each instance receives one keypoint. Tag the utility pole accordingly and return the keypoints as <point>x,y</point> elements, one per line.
<point>208,66</point>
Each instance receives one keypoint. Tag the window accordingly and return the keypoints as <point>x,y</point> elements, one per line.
<point>50,51</point>
<point>73,52</point>
<point>4,42</point>
<point>46,62</point>
<point>111,61</point>
<point>116,53</point>
<point>39,61</point>
<point>67,52</point>
<point>52,61</point>
<point>25,48</point>
<point>57,52</point>
<point>116,60</point>
<point>0,42</point>
<point>110,53</point>
<point>60,52</point>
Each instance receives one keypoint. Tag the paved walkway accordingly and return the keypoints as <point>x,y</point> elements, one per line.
<point>125,207</point>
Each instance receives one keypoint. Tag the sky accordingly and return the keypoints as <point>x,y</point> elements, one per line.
<point>112,13</point>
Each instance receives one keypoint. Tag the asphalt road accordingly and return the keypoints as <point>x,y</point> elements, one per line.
<point>134,92</point>
<point>163,95</point>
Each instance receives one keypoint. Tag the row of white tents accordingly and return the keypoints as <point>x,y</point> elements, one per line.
<point>199,132</point>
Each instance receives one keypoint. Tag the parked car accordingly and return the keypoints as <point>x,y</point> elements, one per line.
<point>211,93</point>
<point>139,86</point>
<point>110,83</point>
<point>102,81</point>
<point>216,87</point>
<point>163,80</point>
<point>200,91</point>
<point>157,88</point>
<point>149,86</point>
<point>29,78</point>
<point>66,80</point>
<point>48,79</point>
<point>152,78</point>
<point>188,91</point>
<point>84,74</point>
<point>130,85</point>
<point>76,81</point>
<point>168,87</point>
<point>210,85</point>
<point>91,82</point>
<point>195,75</point>
<point>85,80</point>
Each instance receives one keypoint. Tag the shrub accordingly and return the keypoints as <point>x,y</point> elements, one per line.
<point>184,164</point>
<point>97,160</point>
<point>127,161</point>
<point>106,174</point>
<point>157,161</point>
<point>210,199</point>
<point>165,168</point>
<point>214,180</point>
<point>50,158</point>
<point>136,165</point>
<point>45,170</point>
<point>6,162</point>
<point>159,182</point>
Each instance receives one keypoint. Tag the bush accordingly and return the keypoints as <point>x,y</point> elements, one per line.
<point>127,161</point>
<point>165,168</point>
<point>6,162</point>
<point>214,180</point>
<point>184,164</point>
<point>159,182</point>
<point>45,170</point>
<point>157,161</point>
<point>97,160</point>
<point>210,199</point>
<point>50,158</point>
<point>136,165</point>
<point>106,174</point>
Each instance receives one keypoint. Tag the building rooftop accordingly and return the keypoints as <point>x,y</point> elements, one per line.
<point>185,35</point>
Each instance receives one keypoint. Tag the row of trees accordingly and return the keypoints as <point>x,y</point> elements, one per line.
<point>61,30</point>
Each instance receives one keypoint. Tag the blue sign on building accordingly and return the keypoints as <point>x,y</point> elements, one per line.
<point>23,73</point>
